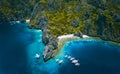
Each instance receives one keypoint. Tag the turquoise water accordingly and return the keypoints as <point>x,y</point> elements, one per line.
<point>18,46</point>
<point>96,57</point>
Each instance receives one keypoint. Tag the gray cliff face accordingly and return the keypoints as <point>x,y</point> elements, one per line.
<point>16,10</point>
<point>51,44</point>
<point>106,24</point>
<point>103,27</point>
<point>79,34</point>
<point>48,39</point>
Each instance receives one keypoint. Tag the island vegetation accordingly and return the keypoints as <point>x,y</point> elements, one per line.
<point>96,18</point>
<point>93,17</point>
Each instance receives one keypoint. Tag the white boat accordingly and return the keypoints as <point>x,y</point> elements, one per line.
<point>77,64</point>
<point>69,57</point>
<point>60,61</point>
<point>66,56</point>
<point>57,60</point>
<point>72,59</point>
<point>37,56</point>
<point>75,61</point>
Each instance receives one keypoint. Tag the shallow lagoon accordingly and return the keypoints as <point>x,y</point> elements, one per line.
<point>18,46</point>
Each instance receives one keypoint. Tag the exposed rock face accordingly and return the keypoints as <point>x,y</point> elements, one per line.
<point>47,38</point>
<point>79,34</point>
<point>49,49</point>
<point>51,44</point>
<point>16,10</point>
<point>97,18</point>
<point>105,30</point>
<point>48,52</point>
<point>102,26</point>
<point>75,23</point>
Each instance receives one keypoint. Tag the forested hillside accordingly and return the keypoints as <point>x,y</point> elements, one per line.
<point>99,18</point>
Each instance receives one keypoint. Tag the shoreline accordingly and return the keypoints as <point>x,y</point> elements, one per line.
<point>65,38</point>
<point>70,37</point>
<point>97,38</point>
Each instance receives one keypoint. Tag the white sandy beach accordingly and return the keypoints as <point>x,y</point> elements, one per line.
<point>65,36</point>
<point>85,36</point>
<point>70,36</point>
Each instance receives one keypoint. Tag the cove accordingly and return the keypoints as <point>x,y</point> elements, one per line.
<point>95,56</point>
<point>19,44</point>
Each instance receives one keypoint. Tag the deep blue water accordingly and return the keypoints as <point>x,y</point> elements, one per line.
<point>18,46</point>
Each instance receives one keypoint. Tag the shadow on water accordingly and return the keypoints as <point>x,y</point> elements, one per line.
<point>13,55</point>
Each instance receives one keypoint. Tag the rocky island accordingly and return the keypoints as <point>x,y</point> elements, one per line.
<point>96,18</point>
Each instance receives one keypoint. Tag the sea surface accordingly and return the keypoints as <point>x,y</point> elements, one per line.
<point>19,44</point>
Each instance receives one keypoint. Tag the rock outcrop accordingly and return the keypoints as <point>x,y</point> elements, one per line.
<point>51,44</point>
<point>48,39</point>
<point>97,19</point>
<point>79,34</point>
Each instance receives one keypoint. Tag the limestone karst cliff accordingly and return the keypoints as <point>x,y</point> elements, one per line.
<point>97,18</point>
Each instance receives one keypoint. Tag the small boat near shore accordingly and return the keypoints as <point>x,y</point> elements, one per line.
<point>69,57</point>
<point>77,64</point>
<point>72,59</point>
<point>59,61</point>
<point>66,56</point>
<point>37,56</point>
<point>75,61</point>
